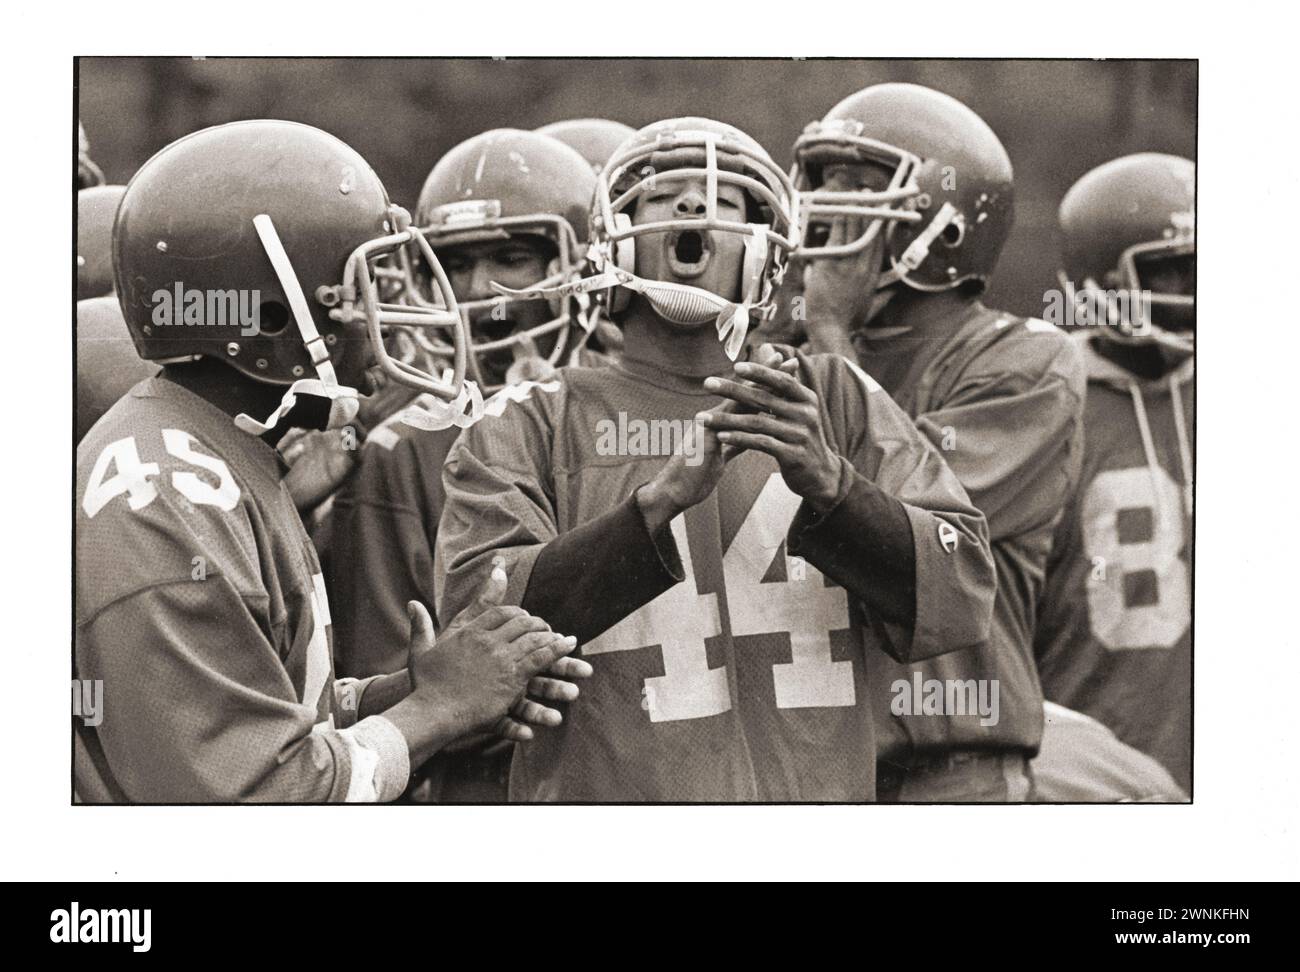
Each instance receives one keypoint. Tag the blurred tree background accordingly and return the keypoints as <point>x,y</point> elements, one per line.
<point>1057,118</point>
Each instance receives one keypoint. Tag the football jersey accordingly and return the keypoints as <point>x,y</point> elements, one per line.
<point>1114,632</point>
<point>746,678</point>
<point>201,608</point>
<point>384,524</point>
<point>1001,398</point>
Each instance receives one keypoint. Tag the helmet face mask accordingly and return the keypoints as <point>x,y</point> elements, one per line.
<point>665,157</point>
<point>361,279</point>
<point>500,186</point>
<point>289,221</point>
<point>1129,246</point>
<point>700,258</point>
<point>1163,269</point>
<point>505,329</point>
<point>824,144</point>
<point>948,206</point>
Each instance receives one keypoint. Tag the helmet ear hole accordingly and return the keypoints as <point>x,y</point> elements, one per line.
<point>272,317</point>
<point>953,234</point>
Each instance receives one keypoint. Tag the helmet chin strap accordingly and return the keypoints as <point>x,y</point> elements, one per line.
<point>918,250</point>
<point>432,414</point>
<point>675,302</point>
<point>343,400</point>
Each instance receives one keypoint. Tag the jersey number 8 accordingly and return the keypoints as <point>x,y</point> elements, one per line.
<point>1140,594</point>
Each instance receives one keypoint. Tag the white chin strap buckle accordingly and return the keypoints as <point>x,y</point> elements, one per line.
<point>344,403</point>
<point>678,303</point>
<point>433,414</point>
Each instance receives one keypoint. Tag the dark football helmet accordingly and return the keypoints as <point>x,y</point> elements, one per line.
<point>295,218</point>
<point>947,208</point>
<point>107,365</point>
<point>1129,229</point>
<point>593,138</point>
<point>505,183</point>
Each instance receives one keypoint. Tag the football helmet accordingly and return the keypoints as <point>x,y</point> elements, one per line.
<point>497,185</point>
<point>107,365</point>
<point>1119,223</point>
<point>290,219</point>
<point>593,138</point>
<point>96,208</point>
<point>948,206</point>
<point>681,149</point>
<point>88,173</point>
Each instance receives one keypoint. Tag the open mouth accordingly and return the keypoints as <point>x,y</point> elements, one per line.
<point>688,253</point>
<point>486,328</point>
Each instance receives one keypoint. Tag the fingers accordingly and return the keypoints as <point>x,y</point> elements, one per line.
<point>844,230</point>
<point>534,713</point>
<point>787,386</point>
<point>539,650</point>
<point>508,728</point>
<point>760,423</point>
<point>570,667</point>
<point>520,625</point>
<point>552,689</point>
<point>420,638</point>
<point>778,450</point>
<point>767,356</point>
<point>495,617</point>
<point>755,398</point>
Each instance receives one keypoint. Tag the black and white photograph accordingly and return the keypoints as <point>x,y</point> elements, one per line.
<point>683,443</point>
<point>605,444</point>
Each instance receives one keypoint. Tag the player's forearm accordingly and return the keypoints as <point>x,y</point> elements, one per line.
<point>426,727</point>
<point>656,506</point>
<point>383,692</point>
<point>864,543</point>
<point>590,578</point>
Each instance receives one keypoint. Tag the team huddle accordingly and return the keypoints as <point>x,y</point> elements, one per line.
<point>630,467</point>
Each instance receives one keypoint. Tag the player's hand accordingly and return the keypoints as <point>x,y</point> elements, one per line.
<point>688,478</point>
<point>778,414</point>
<point>479,668</point>
<point>318,463</point>
<point>838,291</point>
<point>554,685</point>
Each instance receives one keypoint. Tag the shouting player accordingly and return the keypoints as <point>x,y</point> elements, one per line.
<point>1114,635</point>
<point>729,540</point>
<point>242,259</point>
<point>909,195</point>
